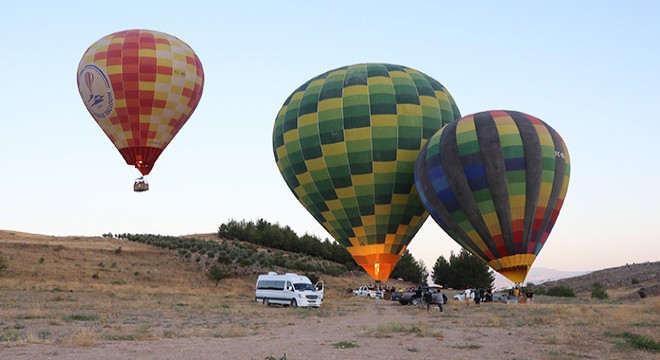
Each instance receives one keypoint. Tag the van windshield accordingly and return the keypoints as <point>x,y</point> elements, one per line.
<point>304,287</point>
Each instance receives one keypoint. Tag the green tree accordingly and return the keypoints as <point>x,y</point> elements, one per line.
<point>214,273</point>
<point>410,269</point>
<point>463,270</point>
<point>441,272</point>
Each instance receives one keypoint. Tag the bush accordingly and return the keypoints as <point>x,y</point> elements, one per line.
<point>313,278</point>
<point>634,281</point>
<point>561,291</point>
<point>642,293</point>
<point>216,274</point>
<point>598,291</point>
<point>3,264</point>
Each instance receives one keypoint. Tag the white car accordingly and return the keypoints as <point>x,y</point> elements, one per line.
<point>461,296</point>
<point>365,291</point>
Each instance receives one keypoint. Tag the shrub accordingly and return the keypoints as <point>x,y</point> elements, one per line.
<point>216,274</point>
<point>313,278</point>
<point>598,291</point>
<point>642,293</point>
<point>3,264</point>
<point>634,281</point>
<point>561,291</point>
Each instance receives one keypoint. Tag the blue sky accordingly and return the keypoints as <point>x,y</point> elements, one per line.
<point>590,69</point>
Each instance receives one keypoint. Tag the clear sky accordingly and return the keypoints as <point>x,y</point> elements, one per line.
<point>590,69</point>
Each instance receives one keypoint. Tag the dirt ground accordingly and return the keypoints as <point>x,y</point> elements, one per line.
<point>356,329</point>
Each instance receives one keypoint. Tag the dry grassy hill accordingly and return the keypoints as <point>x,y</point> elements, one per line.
<point>624,282</point>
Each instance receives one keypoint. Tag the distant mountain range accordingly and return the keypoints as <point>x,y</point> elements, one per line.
<point>538,275</point>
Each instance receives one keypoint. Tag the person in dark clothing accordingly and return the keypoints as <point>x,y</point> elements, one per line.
<point>418,296</point>
<point>427,299</point>
<point>477,296</point>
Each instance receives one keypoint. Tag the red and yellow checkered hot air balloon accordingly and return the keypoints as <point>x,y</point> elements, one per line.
<point>141,86</point>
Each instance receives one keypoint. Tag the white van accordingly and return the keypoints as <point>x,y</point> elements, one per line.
<point>288,289</point>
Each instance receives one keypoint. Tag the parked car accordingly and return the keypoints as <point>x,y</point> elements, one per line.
<point>408,297</point>
<point>505,299</point>
<point>395,295</point>
<point>461,296</point>
<point>365,291</point>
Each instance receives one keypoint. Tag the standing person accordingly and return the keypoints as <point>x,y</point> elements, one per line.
<point>477,297</point>
<point>418,296</point>
<point>427,299</point>
<point>441,300</point>
<point>467,296</point>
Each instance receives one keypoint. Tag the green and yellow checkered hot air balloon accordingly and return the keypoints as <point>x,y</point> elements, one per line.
<point>346,143</point>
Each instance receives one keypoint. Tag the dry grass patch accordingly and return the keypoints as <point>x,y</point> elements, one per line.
<point>82,337</point>
<point>392,329</point>
<point>232,332</point>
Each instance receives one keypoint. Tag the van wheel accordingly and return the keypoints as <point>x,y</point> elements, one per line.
<point>294,303</point>
<point>266,302</point>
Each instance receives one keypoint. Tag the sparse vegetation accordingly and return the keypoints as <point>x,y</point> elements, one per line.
<point>466,346</point>
<point>81,317</point>
<point>598,291</point>
<point>638,342</point>
<point>3,264</point>
<point>345,344</point>
<point>560,291</point>
<point>271,357</point>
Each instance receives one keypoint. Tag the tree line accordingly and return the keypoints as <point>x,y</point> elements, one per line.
<point>267,234</point>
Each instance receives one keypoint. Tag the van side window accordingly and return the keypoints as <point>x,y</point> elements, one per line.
<point>289,285</point>
<point>270,285</point>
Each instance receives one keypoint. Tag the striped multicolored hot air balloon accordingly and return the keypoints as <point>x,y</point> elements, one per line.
<point>346,143</point>
<point>141,86</point>
<point>495,182</point>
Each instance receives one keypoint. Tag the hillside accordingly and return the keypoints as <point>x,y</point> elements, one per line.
<point>75,263</point>
<point>626,281</point>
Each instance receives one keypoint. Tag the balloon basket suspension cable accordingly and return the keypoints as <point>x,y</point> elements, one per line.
<point>140,184</point>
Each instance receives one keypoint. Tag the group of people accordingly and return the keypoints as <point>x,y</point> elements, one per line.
<point>522,294</point>
<point>478,295</point>
<point>425,298</point>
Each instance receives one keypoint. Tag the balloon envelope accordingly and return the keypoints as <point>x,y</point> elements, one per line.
<point>346,143</point>
<point>495,182</point>
<point>141,87</point>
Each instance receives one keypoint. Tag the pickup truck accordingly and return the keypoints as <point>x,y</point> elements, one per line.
<point>365,291</point>
<point>408,297</point>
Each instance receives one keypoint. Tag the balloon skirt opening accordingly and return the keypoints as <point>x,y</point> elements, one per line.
<point>514,267</point>
<point>378,266</point>
<point>142,157</point>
